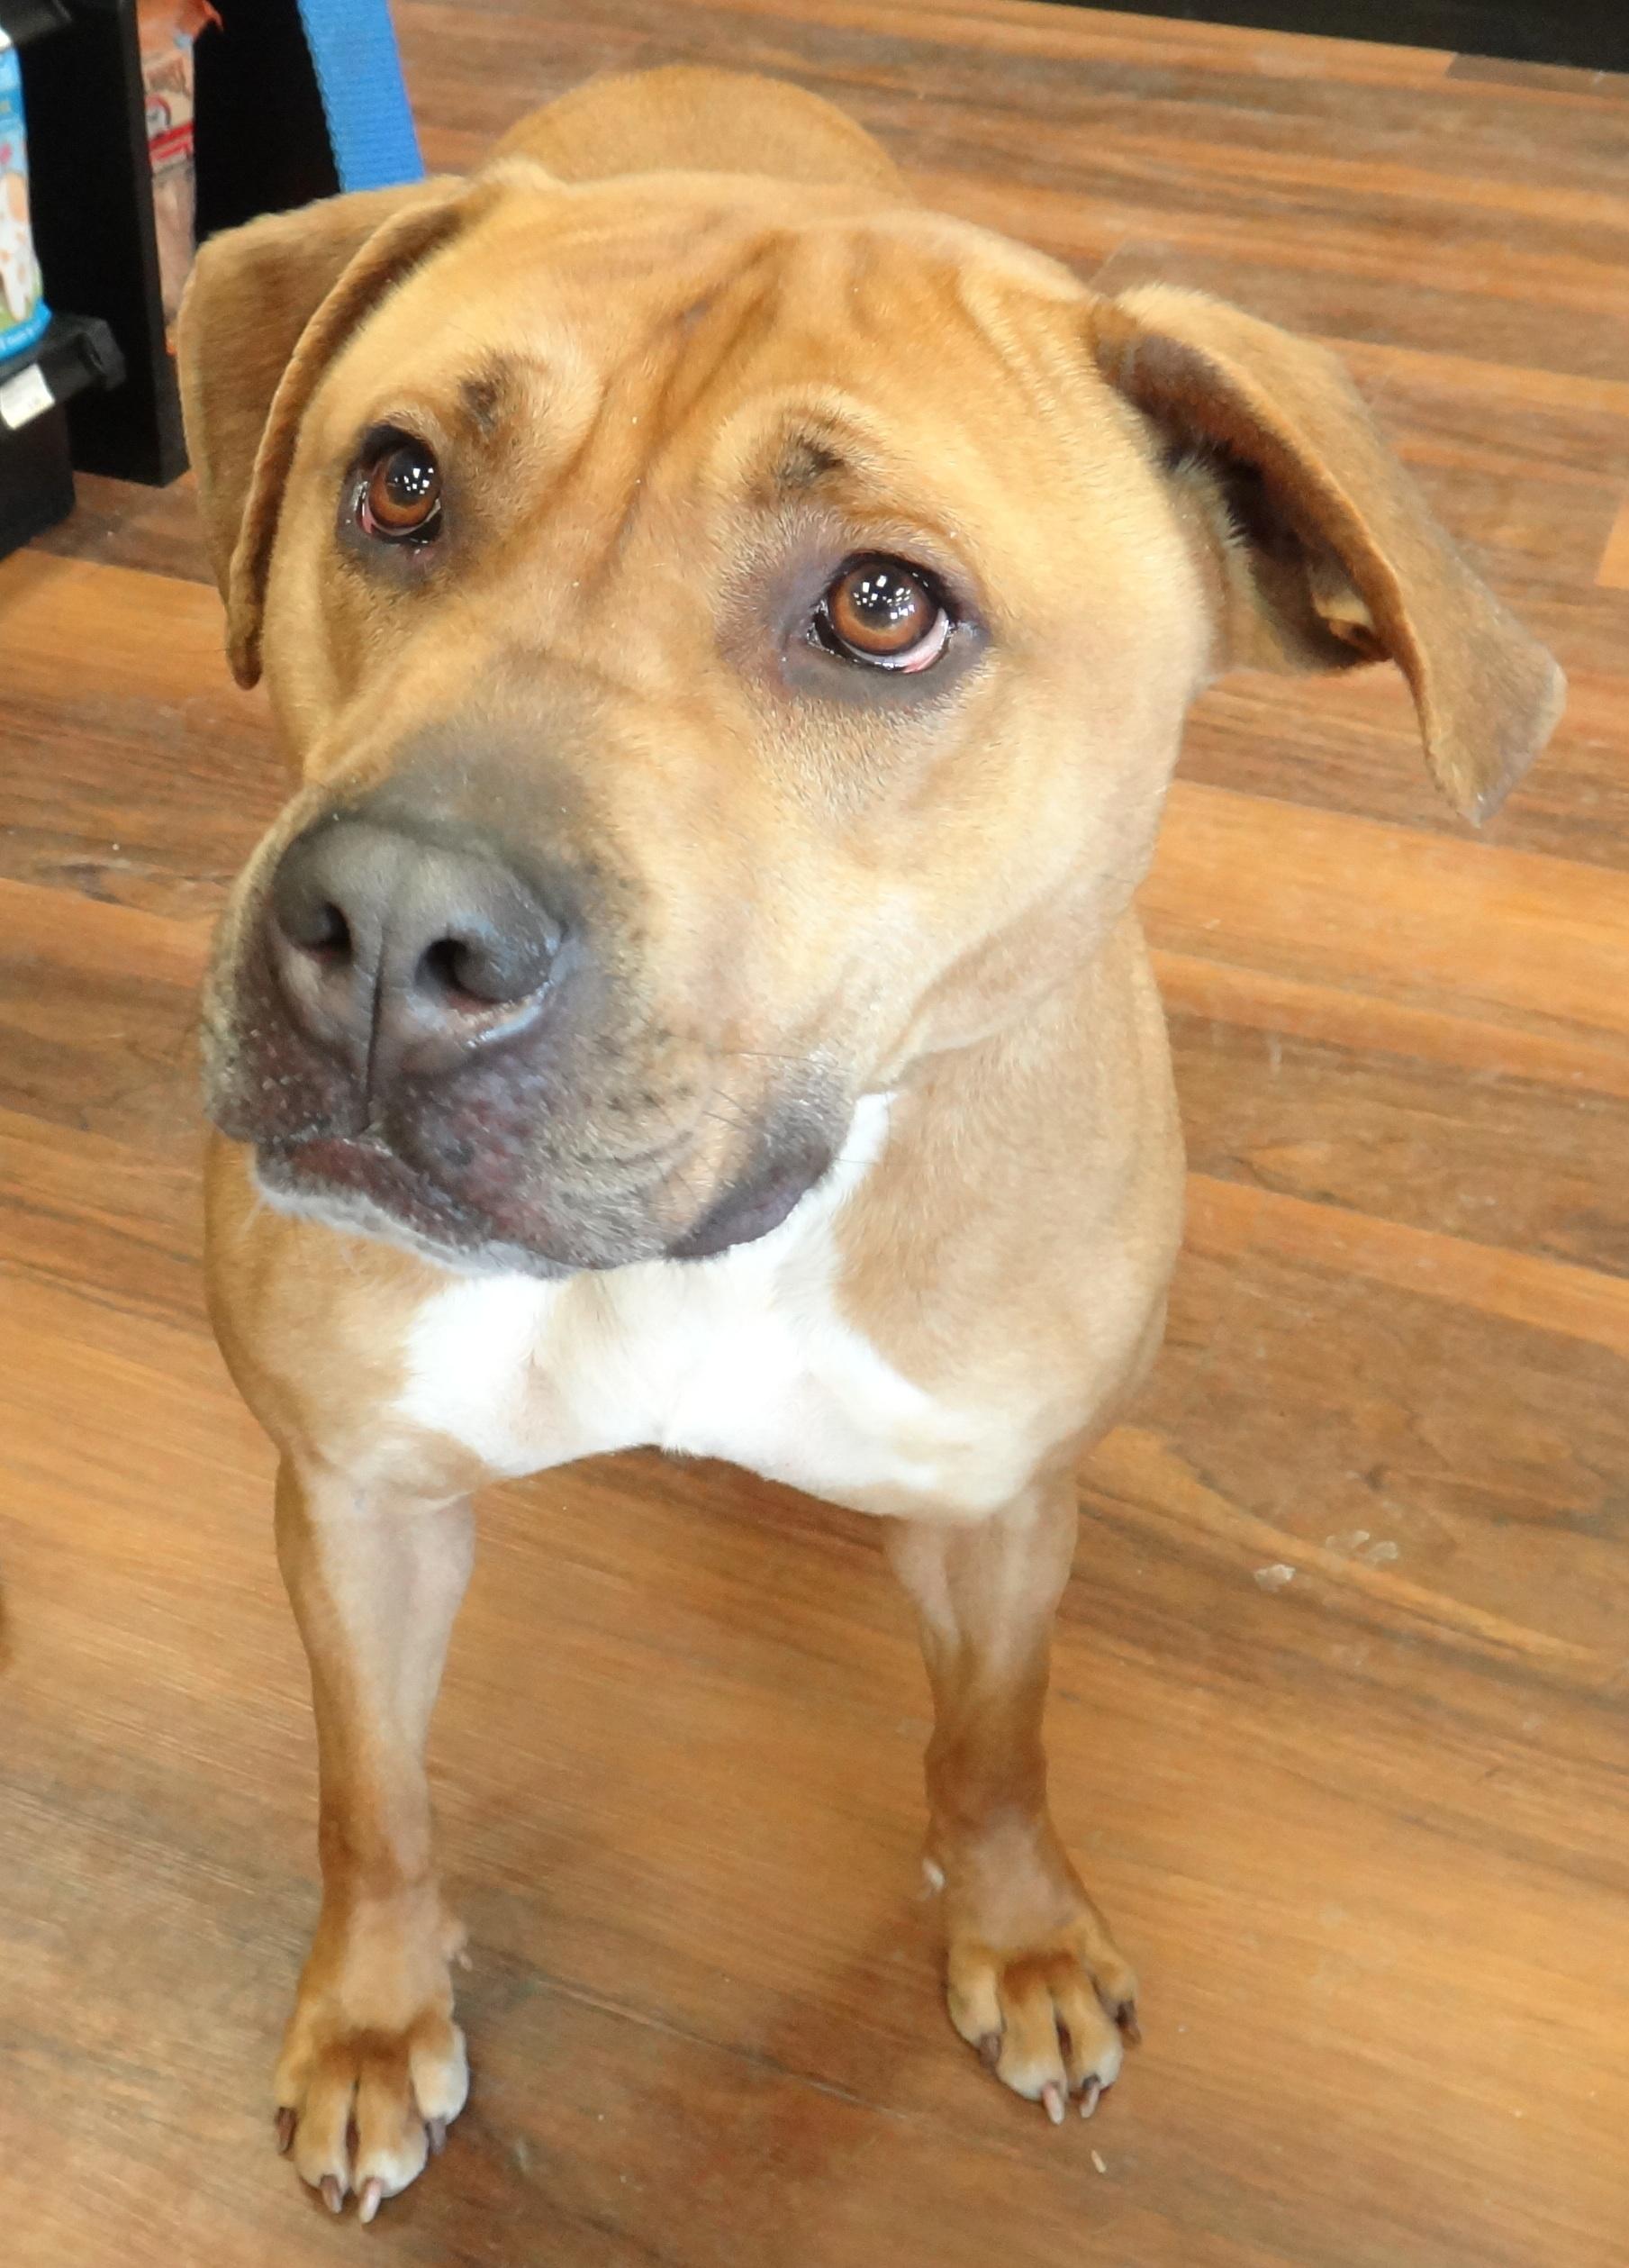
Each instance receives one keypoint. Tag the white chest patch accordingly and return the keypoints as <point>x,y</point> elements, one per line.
<point>744,1357</point>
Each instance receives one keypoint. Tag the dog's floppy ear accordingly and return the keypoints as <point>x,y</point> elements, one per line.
<point>1328,553</point>
<point>265,310</point>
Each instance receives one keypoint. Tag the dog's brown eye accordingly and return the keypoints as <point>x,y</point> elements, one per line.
<point>400,498</point>
<point>882,612</point>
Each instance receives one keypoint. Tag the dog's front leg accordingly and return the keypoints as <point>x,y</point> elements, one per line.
<point>372,2052</point>
<point>1033,1979</point>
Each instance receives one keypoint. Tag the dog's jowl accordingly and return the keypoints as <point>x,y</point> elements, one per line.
<point>732,629</point>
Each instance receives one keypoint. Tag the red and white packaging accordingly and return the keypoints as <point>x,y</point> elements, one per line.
<point>168,28</point>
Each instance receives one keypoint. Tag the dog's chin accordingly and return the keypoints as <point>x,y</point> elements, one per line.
<point>361,1188</point>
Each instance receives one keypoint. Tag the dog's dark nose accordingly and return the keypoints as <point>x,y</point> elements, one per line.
<point>402,956</point>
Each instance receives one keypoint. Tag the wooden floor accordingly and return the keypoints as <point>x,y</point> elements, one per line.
<point>1340,1721</point>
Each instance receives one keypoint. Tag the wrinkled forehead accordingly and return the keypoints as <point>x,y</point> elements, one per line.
<point>738,326</point>
<point>620,263</point>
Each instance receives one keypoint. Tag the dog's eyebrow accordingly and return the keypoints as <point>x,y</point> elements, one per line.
<point>484,394</point>
<point>802,462</point>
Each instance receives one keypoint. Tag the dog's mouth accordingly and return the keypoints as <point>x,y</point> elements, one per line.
<point>331,1175</point>
<point>359,1183</point>
<point>529,1159</point>
<point>362,1184</point>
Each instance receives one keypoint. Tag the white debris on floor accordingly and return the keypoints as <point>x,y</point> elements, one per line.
<point>1359,1545</point>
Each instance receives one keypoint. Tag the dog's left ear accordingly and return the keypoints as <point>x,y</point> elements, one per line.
<point>267,308</point>
<point>1328,552</point>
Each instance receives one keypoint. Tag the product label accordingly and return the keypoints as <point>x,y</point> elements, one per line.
<point>24,396</point>
<point>24,313</point>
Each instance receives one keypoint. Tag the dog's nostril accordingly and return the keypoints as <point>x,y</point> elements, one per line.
<point>319,927</point>
<point>482,972</point>
<point>330,938</point>
<point>449,966</point>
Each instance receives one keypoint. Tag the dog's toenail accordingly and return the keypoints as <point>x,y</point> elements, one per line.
<point>333,2196</point>
<point>286,2132</point>
<point>436,2129</point>
<point>1053,2097</point>
<point>367,2203</point>
<point>1088,2100</point>
<point>989,2050</point>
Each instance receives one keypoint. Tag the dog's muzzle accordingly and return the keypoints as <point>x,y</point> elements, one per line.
<point>424,1039</point>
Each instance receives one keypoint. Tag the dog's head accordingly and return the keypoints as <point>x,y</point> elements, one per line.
<point>735,642</point>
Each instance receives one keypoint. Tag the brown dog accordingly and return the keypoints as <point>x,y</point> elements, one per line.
<point>733,628</point>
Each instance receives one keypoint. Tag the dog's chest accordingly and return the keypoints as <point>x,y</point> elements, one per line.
<point>746,1357</point>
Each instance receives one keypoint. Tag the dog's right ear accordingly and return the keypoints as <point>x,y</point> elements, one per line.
<point>267,307</point>
<point>1327,552</point>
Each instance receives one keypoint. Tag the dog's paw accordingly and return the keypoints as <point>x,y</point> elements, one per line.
<point>1051,2019</point>
<point>1034,1980</point>
<point>373,2068</point>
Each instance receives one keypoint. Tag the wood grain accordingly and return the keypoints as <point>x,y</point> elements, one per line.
<point>1614,574</point>
<point>1362,1822</point>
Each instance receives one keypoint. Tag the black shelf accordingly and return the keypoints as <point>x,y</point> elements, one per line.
<point>74,352</point>
<point>91,194</point>
<point>75,359</point>
<point>1588,34</point>
<point>27,20</point>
